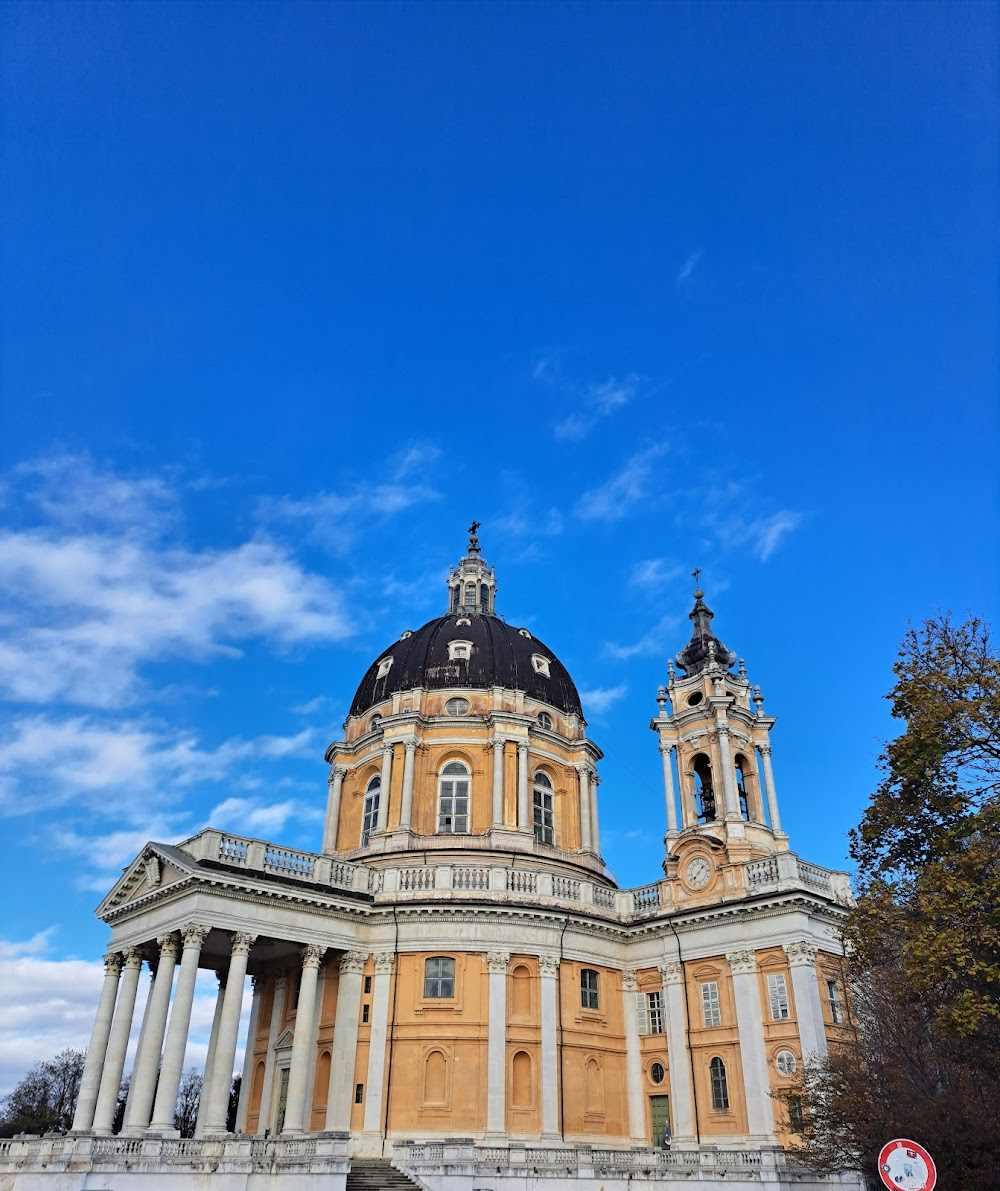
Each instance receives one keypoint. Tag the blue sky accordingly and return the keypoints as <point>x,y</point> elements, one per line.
<point>291,293</point>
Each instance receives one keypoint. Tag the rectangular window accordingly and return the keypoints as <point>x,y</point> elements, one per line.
<point>796,1117</point>
<point>777,992</point>
<point>836,1008</point>
<point>368,984</point>
<point>649,1009</point>
<point>439,977</point>
<point>359,1093</point>
<point>711,1010</point>
<point>544,822</point>
<point>589,998</point>
<point>365,1012</point>
<point>453,814</point>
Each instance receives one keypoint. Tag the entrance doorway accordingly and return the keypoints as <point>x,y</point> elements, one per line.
<point>659,1113</point>
<point>279,1122</point>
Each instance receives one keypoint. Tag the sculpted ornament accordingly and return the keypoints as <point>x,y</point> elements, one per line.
<point>353,961</point>
<point>742,963</point>
<point>672,973</point>
<point>194,935</point>
<point>152,866</point>
<point>497,961</point>
<point>133,957</point>
<point>383,962</point>
<point>311,955</point>
<point>630,982</point>
<point>169,946</point>
<point>113,963</point>
<point>242,943</point>
<point>801,954</point>
<point>548,965</point>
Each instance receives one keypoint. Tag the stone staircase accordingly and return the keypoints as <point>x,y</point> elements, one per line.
<point>372,1175</point>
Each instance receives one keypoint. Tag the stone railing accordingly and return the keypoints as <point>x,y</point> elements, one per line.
<point>326,1155</point>
<point>257,855</point>
<point>785,870</point>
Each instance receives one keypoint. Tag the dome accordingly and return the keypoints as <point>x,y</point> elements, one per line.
<point>500,655</point>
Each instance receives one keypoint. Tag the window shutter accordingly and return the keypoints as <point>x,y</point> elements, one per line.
<point>642,1013</point>
<point>777,992</point>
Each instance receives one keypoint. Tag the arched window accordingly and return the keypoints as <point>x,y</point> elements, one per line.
<point>521,1080</point>
<point>741,786</point>
<point>720,1087</point>
<point>439,977</point>
<point>704,788</point>
<point>370,816</point>
<point>544,831</point>
<point>453,798</point>
<point>484,599</point>
<point>470,595</point>
<point>545,721</point>
<point>456,595</point>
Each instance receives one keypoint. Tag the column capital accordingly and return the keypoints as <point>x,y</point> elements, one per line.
<point>242,942</point>
<point>497,961</point>
<point>133,957</point>
<point>337,773</point>
<point>498,742</point>
<point>630,981</point>
<point>383,962</point>
<point>582,768</point>
<point>722,729</point>
<point>169,946</point>
<point>194,934</point>
<point>280,981</point>
<point>672,972</point>
<point>765,748</point>
<point>410,744</point>
<point>522,746</point>
<point>311,955</point>
<point>548,965</point>
<point>665,747</point>
<point>352,961</point>
<point>113,962</point>
<point>388,748</point>
<point>800,954</point>
<point>742,963</point>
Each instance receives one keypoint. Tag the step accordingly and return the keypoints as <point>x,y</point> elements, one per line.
<point>368,1174</point>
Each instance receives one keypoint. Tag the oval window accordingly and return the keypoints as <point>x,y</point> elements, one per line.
<point>656,1073</point>
<point>695,699</point>
<point>784,1060</point>
<point>457,707</point>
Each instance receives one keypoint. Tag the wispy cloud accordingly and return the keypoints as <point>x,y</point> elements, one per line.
<point>521,523</point>
<point>655,572</point>
<point>252,816</point>
<point>599,699</point>
<point>613,499</point>
<point>687,270</point>
<point>762,534</point>
<point>593,401</point>
<point>656,640</point>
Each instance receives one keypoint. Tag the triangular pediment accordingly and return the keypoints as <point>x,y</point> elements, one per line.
<point>152,869</point>
<point>285,1039</point>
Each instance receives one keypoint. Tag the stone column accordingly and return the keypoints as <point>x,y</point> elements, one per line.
<point>241,1109</point>
<point>345,1043</point>
<point>376,1046</point>
<point>548,966</point>
<point>757,1085</point>
<point>583,773</point>
<point>213,1043</point>
<point>498,744</point>
<point>165,1104</point>
<point>303,1042</point>
<point>277,1013</point>
<point>666,752</point>
<point>385,788</point>
<point>595,837</point>
<point>681,1096</point>
<point>523,802</point>
<point>334,785</point>
<point>633,1061</point>
<point>496,1062</point>
<point>805,990</point>
<point>140,1043</point>
<point>114,1060</point>
<point>732,802</point>
<point>406,812</point>
<point>146,1068</point>
<point>90,1081</point>
<point>229,1031</point>
<point>772,797</point>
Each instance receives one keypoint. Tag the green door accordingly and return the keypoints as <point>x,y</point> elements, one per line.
<point>282,1100</point>
<point>659,1112</point>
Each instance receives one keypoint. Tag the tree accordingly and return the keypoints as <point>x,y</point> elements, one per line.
<point>45,1098</point>
<point>923,940</point>
<point>188,1100</point>
<point>234,1103</point>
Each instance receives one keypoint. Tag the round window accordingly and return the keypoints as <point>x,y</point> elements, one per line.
<point>656,1073</point>
<point>784,1060</point>
<point>457,707</point>
<point>695,699</point>
<point>544,719</point>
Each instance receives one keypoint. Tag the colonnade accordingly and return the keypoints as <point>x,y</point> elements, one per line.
<point>730,797</point>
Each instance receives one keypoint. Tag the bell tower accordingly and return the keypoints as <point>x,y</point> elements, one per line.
<point>716,752</point>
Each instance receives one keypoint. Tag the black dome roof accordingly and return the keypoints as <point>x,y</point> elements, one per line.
<point>501,656</point>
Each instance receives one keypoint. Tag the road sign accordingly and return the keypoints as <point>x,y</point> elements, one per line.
<point>906,1166</point>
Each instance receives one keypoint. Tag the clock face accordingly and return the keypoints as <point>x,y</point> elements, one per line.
<point>698,873</point>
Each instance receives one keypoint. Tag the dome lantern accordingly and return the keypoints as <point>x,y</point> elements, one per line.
<point>472,584</point>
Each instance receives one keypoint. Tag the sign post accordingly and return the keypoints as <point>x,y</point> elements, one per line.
<point>906,1166</point>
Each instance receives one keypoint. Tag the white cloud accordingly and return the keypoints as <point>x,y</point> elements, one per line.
<point>763,535</point>
<point>656,641</point>
<point>612,500</point>
<point>655,572</point>
<point>520,523</point>
<point>686,271</point>
<point>600,699</point>
<point>597,401</point>
<point>249,816</point>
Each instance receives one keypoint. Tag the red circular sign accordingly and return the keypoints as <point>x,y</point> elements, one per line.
<point>906,1166</point>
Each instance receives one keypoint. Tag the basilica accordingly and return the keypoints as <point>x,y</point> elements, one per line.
<point>454,993</point>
